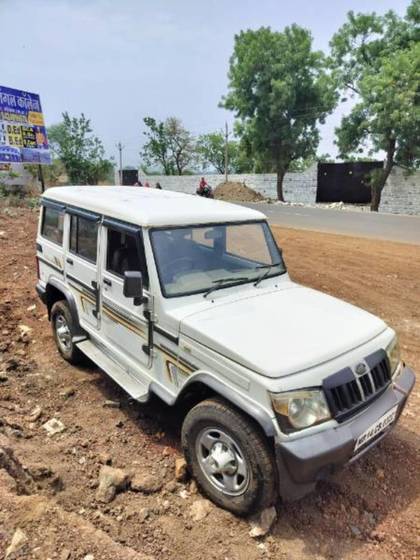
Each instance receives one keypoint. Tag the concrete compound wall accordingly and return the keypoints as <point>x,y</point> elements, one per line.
<point>400,196</point>
<point>298,187</point>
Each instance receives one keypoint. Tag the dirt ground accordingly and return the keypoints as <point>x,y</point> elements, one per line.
<point>48,484</point>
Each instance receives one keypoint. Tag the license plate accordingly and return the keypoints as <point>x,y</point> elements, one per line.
<point>376,428</point>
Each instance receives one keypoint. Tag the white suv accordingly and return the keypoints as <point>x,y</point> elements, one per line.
<point>189,299</point>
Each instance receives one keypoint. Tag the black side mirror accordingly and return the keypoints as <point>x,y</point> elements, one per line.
<point>133,286</point>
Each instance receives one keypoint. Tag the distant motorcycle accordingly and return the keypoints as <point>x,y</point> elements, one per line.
<point>205,191</point>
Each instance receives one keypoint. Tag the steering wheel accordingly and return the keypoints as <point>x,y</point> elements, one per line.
<point>177,266</point>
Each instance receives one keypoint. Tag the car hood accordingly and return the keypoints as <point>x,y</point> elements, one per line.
<point>283,331</point>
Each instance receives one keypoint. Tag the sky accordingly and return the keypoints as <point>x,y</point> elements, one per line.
<point>119,61</point>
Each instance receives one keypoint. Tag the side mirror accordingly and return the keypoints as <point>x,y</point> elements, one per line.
<point>133,286</point>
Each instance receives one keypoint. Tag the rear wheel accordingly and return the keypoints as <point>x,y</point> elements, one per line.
<point>229,457</point>
<point>63,330</point>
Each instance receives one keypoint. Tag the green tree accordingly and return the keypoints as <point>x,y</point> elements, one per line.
<point>81,153</point>
<point>377,58</point>
<point>280,91</point>
<point>211,152</point>
<point>169,144</point>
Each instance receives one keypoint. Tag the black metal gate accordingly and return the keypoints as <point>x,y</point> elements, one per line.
<point>345,182</point>
<point>130,176</point>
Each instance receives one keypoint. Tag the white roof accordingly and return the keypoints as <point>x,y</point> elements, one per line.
<point>151,207</point>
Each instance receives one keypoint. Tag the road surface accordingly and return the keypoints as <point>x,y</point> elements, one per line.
<point>392,227</point>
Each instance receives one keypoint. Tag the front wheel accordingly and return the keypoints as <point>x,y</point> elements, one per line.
<point>63,330</point>
<point>229,457</point>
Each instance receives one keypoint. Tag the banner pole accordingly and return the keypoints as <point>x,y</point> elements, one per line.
<point>41,177</point>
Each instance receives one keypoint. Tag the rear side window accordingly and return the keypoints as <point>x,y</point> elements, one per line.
<point>52,225</point>
<point>123,254</point>
<point>83,237</point>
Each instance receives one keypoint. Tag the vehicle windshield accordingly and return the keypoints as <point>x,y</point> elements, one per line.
<point>197,259</point>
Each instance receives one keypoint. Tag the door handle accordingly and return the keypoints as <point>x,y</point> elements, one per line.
<point>107,282</point>
<point>69,261</point>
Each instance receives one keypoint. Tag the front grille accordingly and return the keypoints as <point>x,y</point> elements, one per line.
<point>347,392</point>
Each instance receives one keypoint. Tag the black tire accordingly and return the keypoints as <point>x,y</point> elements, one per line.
<point>215,416</point>
<point>61,316</point>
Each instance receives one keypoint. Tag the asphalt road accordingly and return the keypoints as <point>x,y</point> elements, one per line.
<point>391,227</point>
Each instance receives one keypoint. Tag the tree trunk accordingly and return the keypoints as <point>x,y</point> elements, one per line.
<point>280,176</point>
<point>378,181</point>
<point>375,199</point>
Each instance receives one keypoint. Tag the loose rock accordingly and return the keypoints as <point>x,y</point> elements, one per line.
<point>200,509</point>
<point>146,483</point>
<point>68,392</point>
<point>261,524</point>
<point>54,426</point>
<point>18,540</point>
<point>180,469</point>
<point>35,414</point>
<point>110,481</point>
<point>111,404</point>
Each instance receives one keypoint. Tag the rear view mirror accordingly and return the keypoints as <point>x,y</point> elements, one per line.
<point>133,286</point>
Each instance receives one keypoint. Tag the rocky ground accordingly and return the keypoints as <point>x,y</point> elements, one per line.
<point>87,474</point>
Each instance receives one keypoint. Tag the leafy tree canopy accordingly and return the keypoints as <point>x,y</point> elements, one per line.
<point>280,91</point>
<point>168,145</point>
<point>211,151</point>
<point>378,59</point>
<point>81,153</point>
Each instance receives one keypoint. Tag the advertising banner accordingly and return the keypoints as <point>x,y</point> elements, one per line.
<point>23,136</point>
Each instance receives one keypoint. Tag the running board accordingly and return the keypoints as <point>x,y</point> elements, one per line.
<point>134,387</point>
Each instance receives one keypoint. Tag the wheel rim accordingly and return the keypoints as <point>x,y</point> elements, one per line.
<point>222,461</point>
<point>63,332</point>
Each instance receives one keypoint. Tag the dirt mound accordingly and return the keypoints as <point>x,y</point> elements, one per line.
<point>238,192</point>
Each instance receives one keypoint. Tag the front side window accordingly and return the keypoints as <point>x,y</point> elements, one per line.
<point>53,225</point>
<point>124,252</point>
<point>198,258</point>
<point>84,237</point>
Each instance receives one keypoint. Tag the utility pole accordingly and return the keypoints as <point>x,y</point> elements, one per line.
<point>226,151</point>
<point>120,148</point>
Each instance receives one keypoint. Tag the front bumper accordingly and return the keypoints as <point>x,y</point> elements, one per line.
<point>302,462</point>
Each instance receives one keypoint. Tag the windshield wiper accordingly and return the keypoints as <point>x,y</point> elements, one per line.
<point>266,272</point>
<point>222,281</point>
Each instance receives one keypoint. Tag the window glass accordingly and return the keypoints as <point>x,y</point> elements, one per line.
<point>122,254</point>
<point>52,225</point>
<point>84,237</point>
<point>248,241</point>
<point>203,236</point>
<point>199,258</point>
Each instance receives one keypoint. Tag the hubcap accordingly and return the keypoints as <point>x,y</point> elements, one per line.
<point>222,461</point>
<point>63,333</point>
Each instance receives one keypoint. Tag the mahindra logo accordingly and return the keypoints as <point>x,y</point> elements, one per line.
<point>361,368</point>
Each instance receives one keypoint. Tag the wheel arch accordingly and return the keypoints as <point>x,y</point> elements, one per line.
<point>56,290</point>
<point>206,385</point>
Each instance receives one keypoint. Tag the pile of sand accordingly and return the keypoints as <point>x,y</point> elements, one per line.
<point>237,192</point>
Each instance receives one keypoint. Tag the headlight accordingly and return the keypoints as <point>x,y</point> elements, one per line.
<point>394,356</point>
<point>300,409</point>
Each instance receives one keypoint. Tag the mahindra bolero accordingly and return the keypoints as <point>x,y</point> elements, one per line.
<point>189,299</point>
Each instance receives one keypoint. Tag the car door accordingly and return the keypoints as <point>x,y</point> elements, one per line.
<point>81,264</point>
<point>123,325</point>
